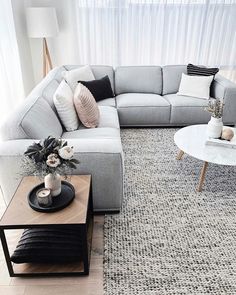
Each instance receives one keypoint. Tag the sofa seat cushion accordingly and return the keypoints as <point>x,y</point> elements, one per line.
<point>108,126</point>
<point>187,109</point>
<point>142,109</point>
<point>107,102</point>
<point>108,117</point>
<point>93,133</point>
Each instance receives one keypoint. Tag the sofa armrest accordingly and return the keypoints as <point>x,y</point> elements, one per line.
<point>105,145</point>
<point>225,90</point>
<point>102,158</point>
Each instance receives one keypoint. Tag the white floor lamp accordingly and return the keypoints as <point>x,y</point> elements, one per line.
<point>42,23</point>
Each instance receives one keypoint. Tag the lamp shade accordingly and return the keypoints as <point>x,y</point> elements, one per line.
<point>41,22</point>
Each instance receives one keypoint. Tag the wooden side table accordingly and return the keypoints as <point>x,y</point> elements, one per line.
<point>79,213</point>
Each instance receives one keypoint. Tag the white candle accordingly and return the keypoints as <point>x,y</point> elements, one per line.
<point>44,197</point>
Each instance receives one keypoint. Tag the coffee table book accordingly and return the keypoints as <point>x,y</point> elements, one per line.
<point>220,142</point>
<point>79,213</point>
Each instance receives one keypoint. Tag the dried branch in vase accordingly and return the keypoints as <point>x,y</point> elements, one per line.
<point>215,108</point>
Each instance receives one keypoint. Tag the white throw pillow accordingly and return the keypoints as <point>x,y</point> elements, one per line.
<point>81,74</point>
<point>63,101</point>
<point>196,86</point>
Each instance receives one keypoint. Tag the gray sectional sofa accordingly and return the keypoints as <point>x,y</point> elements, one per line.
<point>144,96</point>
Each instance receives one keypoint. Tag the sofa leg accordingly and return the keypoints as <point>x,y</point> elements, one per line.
<point>106,212</point>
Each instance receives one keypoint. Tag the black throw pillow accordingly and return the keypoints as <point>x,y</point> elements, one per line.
<point>100,88</point>
<point>201,71</point>
<point>49,245</point>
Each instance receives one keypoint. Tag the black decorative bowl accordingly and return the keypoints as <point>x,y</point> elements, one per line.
<point>58,202</point>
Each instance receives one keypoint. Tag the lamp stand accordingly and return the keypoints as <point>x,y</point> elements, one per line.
<point>47,62</point>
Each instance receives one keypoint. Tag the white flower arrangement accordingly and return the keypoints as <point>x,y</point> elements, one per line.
<point>53,160</point>
<point>50,156</point>
<point>66,152</point>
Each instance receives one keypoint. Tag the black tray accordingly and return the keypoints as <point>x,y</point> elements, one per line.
<point>58,202</point>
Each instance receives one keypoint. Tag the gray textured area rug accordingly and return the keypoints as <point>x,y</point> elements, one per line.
<point>169,239</point>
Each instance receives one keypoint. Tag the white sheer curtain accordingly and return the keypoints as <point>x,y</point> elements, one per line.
<point>11,84</point>
<point>138,32</point>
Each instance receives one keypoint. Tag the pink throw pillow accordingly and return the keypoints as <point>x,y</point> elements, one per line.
<point>86,106</point>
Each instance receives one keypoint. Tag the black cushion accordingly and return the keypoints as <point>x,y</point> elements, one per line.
<point>100,88</point>
<point>201,71</point>
<point>54,245</point>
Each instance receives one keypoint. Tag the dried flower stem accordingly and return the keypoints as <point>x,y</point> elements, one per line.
<point>215,108</point>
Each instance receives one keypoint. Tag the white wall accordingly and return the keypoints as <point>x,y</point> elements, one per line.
<point>18,8</point>
<point>63,48</point>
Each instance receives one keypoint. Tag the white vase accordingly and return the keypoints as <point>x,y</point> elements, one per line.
<point>214,127</point>
<point>52,181</point>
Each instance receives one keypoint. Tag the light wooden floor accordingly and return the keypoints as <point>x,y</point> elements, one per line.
<point>90,285</point>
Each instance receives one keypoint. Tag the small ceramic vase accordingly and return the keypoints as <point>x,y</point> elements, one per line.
<point>53,182</point>
<point>214,127</point>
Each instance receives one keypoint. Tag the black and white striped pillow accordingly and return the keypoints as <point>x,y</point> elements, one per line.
<point>201,71</point>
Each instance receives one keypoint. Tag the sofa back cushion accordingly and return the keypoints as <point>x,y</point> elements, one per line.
<point>139,79</point>
<point>80,74</point>
<point>40,121</point>
<point>33,119</point>
<point>49,91</point>
<point>51,86</point>
<point>98,72</point>
<point>12,127</point>
<point>172,77</point>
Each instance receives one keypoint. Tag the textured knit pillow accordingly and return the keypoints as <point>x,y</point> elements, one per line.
<point>100,88</point>
<point>48,245</point>
<point>201,71</point>
<point>72,77</point>
<point>196,86</point>
<point>86,106</point>
<point>63,101</point>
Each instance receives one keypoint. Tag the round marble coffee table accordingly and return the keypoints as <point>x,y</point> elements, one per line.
<point>191,140</point>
